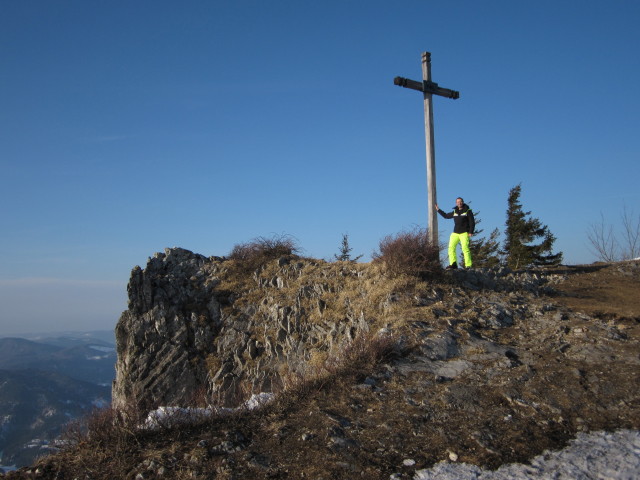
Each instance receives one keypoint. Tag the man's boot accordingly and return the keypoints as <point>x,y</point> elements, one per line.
<point>453,266</point>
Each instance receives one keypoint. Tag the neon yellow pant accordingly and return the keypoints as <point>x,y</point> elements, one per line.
<point>463,240</point>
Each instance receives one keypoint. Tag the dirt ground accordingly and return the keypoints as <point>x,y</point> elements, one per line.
<point>602,290</point>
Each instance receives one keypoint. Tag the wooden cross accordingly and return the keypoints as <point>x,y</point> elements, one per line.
<point>429,89</point>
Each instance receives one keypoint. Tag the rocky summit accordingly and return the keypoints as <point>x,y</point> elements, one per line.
<point>195,327</point>
<point>375,376</point>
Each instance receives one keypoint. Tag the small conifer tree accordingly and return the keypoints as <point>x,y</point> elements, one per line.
<point>345,251</point>
<point>484,251</point>
<point>521,231</point>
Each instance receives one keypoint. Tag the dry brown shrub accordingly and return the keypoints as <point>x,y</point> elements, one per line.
<point>263,249</point>
<point>410,253</point>
<point>363,353</point>
<point>104,428</point>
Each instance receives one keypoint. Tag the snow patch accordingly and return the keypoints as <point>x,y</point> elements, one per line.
<point>596,455</point>
<point>167,417</point>
<point>103,349</point>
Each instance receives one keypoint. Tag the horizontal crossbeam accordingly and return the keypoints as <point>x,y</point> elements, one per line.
<point>426,87</point>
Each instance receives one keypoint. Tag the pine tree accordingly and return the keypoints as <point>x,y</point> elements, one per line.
<point>484,251</point>
<point>521,231</point>
<point>345,251</point>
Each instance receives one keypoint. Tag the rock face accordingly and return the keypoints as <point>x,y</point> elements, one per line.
<point>166,333</point>
<point>186,337</point>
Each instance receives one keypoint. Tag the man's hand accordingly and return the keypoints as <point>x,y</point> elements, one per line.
<point>437,207</point>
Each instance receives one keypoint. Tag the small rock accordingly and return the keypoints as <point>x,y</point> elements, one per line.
<point>559,316</point>
<point>342,442</point>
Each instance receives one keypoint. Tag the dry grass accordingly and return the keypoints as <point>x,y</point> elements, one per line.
<point>351,361</point>
<point>603,290</point>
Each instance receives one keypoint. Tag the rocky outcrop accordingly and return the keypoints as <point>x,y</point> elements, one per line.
<point>188,337</point>
<point>167,332</point>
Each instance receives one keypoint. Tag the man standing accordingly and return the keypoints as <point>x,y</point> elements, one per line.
<point>464,225</point>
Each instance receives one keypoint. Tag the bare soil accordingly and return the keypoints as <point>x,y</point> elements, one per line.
<point>601,290</point>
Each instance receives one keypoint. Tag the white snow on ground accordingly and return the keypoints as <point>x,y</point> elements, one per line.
<point>171,416</point>
<point>591,456</point>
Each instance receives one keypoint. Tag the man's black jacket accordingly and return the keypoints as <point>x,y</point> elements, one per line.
<point>463,218</point>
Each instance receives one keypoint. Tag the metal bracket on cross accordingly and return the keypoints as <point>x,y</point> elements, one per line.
<point>426,87</point>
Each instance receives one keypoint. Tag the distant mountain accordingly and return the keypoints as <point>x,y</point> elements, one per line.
<point>46,381</point>
<point>19,353</point>
<point>92,361</point>
<point>70,339</point>
<point>34,407</point>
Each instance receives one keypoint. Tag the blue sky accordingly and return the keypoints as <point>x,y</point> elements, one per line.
<point>131,126</point>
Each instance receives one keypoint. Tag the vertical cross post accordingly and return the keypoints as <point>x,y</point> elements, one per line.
<point>429,88</point>
<point>432,224</point>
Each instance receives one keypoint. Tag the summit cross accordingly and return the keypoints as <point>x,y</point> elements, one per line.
<point>429,88</point>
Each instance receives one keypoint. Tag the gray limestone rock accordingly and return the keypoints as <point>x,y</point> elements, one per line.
<point>184,340</point>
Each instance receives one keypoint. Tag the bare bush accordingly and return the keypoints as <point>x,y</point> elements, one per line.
<point>265,248</point>
<point>603,241</point>
<point>631,235</point>
<point>104,428</point>
<point>255,253</point>
<point>361,354</point>
<point>611,247</point>
<point>410,253</point>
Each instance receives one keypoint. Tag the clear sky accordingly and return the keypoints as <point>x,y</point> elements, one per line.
<point>131,126</point>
